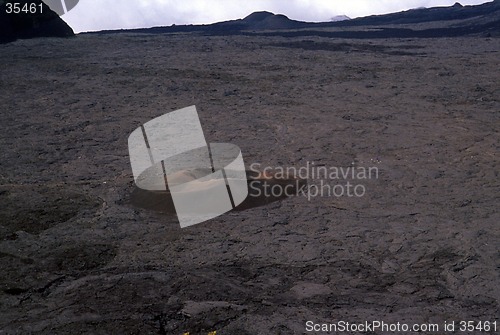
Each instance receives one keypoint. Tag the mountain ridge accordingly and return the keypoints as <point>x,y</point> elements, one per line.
<point>261,22</point>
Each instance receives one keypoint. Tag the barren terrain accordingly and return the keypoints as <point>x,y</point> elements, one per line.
<point>421,246</point>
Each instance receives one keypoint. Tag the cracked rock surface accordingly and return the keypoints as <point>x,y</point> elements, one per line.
<point>421,245</point>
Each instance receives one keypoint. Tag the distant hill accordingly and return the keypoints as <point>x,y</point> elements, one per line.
<point>340,18</point>
<point>26,25</point>
<point>258,21</point>
<point>266,20</point>
<point>420,15</point>
<point>456,20</point>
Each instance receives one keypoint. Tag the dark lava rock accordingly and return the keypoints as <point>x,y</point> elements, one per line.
<point>44,23</point>
<point>36,208</point>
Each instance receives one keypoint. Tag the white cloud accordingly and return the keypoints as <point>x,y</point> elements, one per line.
<point>91,15</point>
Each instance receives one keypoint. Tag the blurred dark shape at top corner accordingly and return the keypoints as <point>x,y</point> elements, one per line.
<point>22,25</point>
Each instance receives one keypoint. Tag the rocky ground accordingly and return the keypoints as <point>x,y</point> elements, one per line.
<point>421,246</point>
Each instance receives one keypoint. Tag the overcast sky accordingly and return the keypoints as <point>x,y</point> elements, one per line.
<point>91,15</point>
